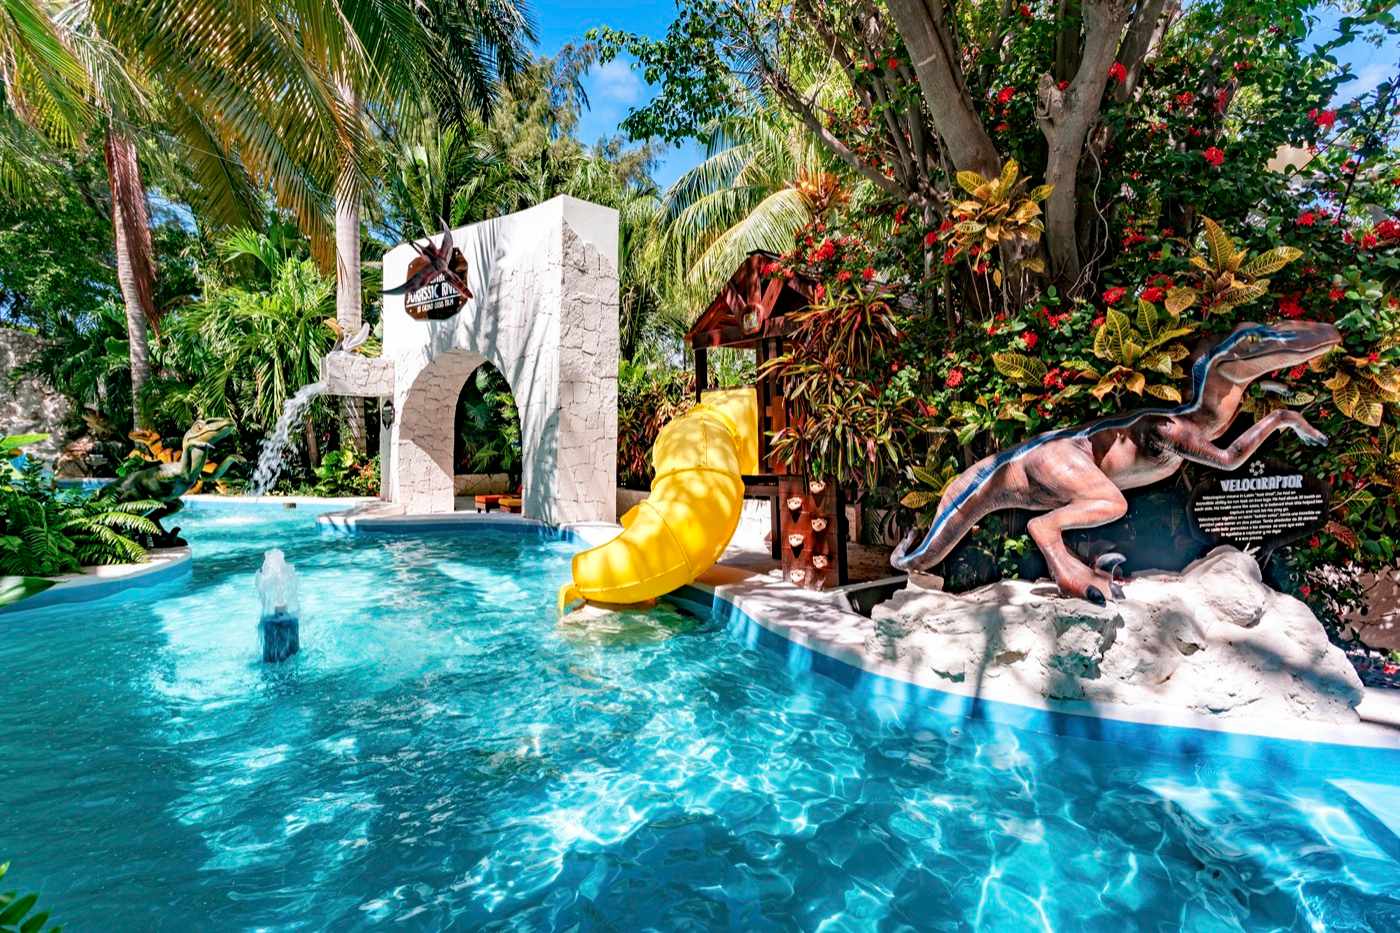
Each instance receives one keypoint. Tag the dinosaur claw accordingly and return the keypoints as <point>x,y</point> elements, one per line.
<point>1116,590</point>
<point>1095,595</point>
<point>1110,563</point>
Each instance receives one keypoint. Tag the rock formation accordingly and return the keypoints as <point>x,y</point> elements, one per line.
<point>1212,640</point>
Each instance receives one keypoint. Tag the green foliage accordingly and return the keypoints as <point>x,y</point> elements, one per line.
<point>647,398</point>
<point>490,433</point>
<point>44,532</point>
<point>347,472</point>
<point>18,913</point>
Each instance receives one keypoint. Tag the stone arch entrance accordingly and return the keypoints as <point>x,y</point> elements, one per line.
<point>544,313</point>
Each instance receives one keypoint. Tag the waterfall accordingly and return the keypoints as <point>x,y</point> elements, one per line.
<point>275,446</point>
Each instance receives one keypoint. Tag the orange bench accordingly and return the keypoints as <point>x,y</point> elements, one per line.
<point>487,502</point>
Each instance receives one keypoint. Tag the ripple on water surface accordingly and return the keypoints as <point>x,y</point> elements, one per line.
<point>442,753</point>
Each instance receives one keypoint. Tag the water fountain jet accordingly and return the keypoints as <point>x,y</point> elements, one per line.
<point>279,625</point>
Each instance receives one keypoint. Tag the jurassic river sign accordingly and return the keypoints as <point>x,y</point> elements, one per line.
<point>1262,505</point>
<point>434,286</point>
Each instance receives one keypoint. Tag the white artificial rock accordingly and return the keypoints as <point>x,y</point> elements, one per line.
<point>352,374</point>
<point>1212,640</point>
<point>544,312</point>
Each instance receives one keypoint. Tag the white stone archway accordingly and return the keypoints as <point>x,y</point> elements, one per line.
<point>544,313</point>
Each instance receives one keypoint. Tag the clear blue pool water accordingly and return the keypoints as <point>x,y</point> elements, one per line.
<point>442,755</point>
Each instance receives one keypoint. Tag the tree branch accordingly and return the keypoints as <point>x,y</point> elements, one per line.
<point>923,27</point>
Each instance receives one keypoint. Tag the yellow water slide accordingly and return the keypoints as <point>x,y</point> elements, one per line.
<point>681,529</point>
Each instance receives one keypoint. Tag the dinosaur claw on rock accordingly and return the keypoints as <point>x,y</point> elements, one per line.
<point>1095,595</point>
<point>1110,563</point>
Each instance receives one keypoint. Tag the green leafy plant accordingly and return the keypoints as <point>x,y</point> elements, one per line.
<point>45,532</point>
<point>347,472</point>
<point>17,911</point>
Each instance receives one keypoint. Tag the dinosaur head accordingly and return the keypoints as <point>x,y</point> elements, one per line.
<point>1253,350</point>
<point>206,432</point>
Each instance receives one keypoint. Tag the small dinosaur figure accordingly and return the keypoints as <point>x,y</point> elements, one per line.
<point>168,481</point>
<point>1076,475</point>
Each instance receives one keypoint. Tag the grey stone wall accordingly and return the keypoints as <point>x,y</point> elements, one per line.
<point>544,313</point>
<point>30,404</point>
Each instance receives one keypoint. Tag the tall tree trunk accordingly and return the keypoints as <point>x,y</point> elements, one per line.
<point>1066,116</point>
<point>924,26</point>
<point>313,450</point>
<point>347,262</point>
<point>136,268</point>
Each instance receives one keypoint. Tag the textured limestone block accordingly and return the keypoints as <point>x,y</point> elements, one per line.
<point>357,376</point>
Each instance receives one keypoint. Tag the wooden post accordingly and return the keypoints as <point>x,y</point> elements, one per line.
<point>702,370</point>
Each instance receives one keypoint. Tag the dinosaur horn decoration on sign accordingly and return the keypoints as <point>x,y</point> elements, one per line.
<point>1075,476</point>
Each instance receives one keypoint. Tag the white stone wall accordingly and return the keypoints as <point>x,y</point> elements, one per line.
<point>544,312</point>
<point>29,405</point>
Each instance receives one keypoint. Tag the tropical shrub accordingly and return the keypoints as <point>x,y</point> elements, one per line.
<point>44,532</point>
<point>347,472</point>
<point>647,398</point>
<point>489,440</point>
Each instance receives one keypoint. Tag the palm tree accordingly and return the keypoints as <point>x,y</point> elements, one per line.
<point>762,180</point>
<point>259,344</point>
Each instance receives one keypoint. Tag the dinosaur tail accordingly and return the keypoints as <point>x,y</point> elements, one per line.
<point>966,502</point>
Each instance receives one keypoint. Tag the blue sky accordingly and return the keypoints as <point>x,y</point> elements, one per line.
<point>614,88</point>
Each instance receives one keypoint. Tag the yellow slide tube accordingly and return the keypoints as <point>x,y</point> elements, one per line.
<point>682,528</point>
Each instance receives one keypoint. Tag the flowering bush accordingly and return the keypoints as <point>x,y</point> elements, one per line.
<point>952,347</point>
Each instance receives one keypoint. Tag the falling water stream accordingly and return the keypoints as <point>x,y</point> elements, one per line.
<point>276,445</point>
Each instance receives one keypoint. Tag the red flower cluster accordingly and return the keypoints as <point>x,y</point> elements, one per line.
<point>1118,73</point>
<point>1114,295</point>
<point>955,378</point>
<point>1030,338</point>
<point>1153,294</point>
<point>1005,94</point>
<point>844,275</point>
<point>1336,294</point>
<point>1290,308</point>
<point>1053,321</point>
<point>1215,156</point>
<point>1132,238</point>
<point>1185,99</point>
<point>1323,118</point>
<point>1388,229</point>
<point>931,238</point>
<point>1307,219</point>
<point>827,250</point>
<point>1054,379</point>
<point>867,273</point>
<point>1369,241</point>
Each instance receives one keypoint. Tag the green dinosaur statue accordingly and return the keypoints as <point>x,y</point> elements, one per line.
<point>167,482</point>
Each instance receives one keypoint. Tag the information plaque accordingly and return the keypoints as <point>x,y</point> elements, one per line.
<point>1260,505</point>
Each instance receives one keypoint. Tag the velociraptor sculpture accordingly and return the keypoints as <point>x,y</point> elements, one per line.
<point>1076,475</point>
<point>167,482</point>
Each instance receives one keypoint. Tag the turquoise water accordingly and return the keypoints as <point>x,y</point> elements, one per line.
<point>441,754</point>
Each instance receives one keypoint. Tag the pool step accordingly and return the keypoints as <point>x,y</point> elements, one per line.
<point>1375,808</point>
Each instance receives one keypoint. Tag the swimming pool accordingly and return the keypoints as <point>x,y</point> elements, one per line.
<point>441,753</point>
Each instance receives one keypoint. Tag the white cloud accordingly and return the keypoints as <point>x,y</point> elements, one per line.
<point>1366,80</point>
<point>616,83</point>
